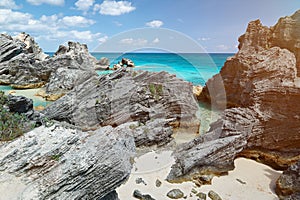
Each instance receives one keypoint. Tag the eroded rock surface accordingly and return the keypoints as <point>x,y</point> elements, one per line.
<point>61,163</point>
<point>127,96</point>
<point>259,86</point>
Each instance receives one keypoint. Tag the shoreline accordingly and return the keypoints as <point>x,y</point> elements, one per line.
<point>258,183</point>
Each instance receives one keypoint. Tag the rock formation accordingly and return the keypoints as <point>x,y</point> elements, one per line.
<point>125,62</point>
<point>62,163</point>
<point>24,65</point>
<point>261,81</point>
<point>288,184</point>
<point>129,96</point>
<point>102,64</point>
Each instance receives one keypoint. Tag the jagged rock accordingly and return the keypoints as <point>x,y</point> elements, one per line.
<point>117,66</point>
<point>139,181</point>
<point>73,65</point>
<point>264,78</point>
<point>213,195</point>
<point>9,48</point>
<point>201,196</point>
<point>215,151</point>
<point>61,163</point>
<point>175,194</point>
<point>137,194</point>
<point>127,62</point>
<point>102,64</point>
<point>288,184</point>
<point>127,96</point>
<point>31,46</point>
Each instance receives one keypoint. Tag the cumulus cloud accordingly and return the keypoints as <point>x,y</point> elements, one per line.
<point>51,2</point>
<point>84,5</point>
<point>10,4</point>
<point>103,39</point>
<point>155,24</point>
<point>78,21</point>
<point>134,42</point>
<point>114,8</point>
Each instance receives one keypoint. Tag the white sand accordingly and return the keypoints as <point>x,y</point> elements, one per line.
<point>260,180</point>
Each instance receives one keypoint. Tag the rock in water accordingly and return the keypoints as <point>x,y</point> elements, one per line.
<point>60,163</point>
<point>288,184</point>
<point>127,96</point>
<point>102,64</point>
<point>213,195</point>
<point>175,194</point>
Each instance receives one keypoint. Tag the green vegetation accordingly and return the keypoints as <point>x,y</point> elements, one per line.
<point>12,125</point>
<point>156,90</point>
<point>55,157</point>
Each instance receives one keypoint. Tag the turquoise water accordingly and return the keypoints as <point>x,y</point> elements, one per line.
<point>195,68</point>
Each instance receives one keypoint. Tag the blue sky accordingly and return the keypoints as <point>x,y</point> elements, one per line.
<point>214,25</point>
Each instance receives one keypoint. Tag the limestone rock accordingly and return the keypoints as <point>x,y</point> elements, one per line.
<point>31,46</point>
<point>214,152</point>
<point>175,194</point>
<point>127,62</point>
<point>19,104</point>
<point>62,163</point>
<point>288,184</point>
<point>102,64</point>
<point>137,194</point>
<point>126,96</point>
<point>213,195</point>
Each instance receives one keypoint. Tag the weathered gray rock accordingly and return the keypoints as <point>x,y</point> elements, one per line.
<point>103,64</point>
<point>60,163</point>
<point>288,184</point>
<point>111,196</point>
<point>127,96</point>
<point>31,46</point>
<point>137,194</point>
<point>175,194</point>
<point>215,151</point>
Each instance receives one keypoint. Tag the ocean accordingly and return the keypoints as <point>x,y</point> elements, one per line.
<point>195,68</point>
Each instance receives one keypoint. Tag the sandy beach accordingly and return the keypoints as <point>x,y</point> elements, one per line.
<point>249,180</point>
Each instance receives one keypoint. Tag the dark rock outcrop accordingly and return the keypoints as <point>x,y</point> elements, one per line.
<point>288,184</point>
<point>127,96</point>
<point>261,82</point>
<point>137,194</point>
<point>61,163</point>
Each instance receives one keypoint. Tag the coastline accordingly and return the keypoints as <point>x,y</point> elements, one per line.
<point>258,183</point>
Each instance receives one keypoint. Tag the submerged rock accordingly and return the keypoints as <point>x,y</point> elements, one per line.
<point>61,163</point>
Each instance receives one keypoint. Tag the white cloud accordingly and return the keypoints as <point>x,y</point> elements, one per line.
<point>223,47</point>
<point>114,8</point>
<point>155,41</point>
<point>204,39</point>
<point>7,17</point>
<point>51,2</point>
<point>103,39</point>
<point>84,5</point>
<point>134,42</point>
<point>10,4</point>
<point>155,24</point>
<point>77,21</point>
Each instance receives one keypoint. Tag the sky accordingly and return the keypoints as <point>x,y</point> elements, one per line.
<point>114,25</point>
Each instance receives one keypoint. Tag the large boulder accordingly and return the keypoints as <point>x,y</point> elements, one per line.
<point>128,96</point>
<point>288,184</point>
<point>63,163</point>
